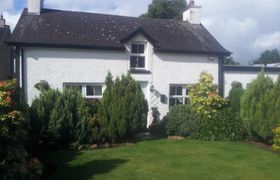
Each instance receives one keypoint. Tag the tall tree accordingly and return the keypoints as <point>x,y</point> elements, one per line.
<point>268,56</point>
<point>166,9</point>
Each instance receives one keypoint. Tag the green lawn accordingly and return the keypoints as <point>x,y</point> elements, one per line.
<point>163,159</point>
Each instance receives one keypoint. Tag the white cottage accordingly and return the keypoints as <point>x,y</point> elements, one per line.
<point>68,48</point>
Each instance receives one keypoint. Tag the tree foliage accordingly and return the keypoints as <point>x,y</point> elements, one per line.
<point>181,121</point>
<point>230,61</point>
<point>259,105</point>
<point>216,121</point>
<point>166,9</point>
<point>235,96</point>
<point>276,140</point>
<point>124,108</point>
<point>14,160</point>
<point>268,57</point>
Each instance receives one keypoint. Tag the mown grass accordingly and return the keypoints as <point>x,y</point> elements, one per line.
<point>164,159</point>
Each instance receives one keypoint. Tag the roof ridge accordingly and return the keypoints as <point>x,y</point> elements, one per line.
<point>124,16</point>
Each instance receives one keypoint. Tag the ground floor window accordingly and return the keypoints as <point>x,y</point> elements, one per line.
<point>90,90</point>
<point>144,87</point>
<point>178,94</point>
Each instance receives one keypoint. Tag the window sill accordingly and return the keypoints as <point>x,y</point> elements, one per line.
<point>140,71</point>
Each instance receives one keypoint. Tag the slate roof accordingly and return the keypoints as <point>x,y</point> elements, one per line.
<point>57,28</point>
<point>5,33</point>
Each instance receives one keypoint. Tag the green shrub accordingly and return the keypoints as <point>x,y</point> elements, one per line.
<point>216,120</point>
<point>14,160</point>
<point>181,121</point>
<point>61,118</point>
<point>223,125</point>
<point>159,128</point>
<point>124,108</point>
<point>276,145</point>
<point>205,100</point>
<point>257,108</point>
<point>235,96</point>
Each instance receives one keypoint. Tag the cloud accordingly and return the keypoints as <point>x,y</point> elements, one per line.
<point>6,5</point>
<point>119,7</point>
<point>268,41</point>
<point>11,18</point>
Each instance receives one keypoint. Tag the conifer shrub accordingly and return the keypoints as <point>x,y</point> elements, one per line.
<point>60,118</point>
<point>259,105</point>
<point>123,108</point>
<point>235,96</point>
<point>181,121</point>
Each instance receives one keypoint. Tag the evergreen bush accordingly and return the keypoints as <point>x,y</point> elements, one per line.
<point>123,108</point>
<point>235,96</point>
<point>258,107</point>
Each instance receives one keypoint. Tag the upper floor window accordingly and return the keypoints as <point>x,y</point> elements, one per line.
<point>138,57</point>
<point>178,94</point>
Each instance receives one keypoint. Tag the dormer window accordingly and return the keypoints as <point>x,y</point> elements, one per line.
<point>138,56</point>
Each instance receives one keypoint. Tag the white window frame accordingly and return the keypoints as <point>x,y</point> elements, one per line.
<point>84,89</point>
<point>138,55</point>
<point>184,95</point>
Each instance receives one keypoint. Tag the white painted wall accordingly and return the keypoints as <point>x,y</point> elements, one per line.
<point>179,69</point>
<point>242,77</point>
<point>58,66</point>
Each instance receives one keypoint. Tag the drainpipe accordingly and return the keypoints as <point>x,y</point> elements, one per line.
<point>221,75</point>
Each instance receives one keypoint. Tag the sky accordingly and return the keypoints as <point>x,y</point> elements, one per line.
<point>245,28</point>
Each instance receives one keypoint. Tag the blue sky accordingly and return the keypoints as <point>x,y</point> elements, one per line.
<point>246,28</point>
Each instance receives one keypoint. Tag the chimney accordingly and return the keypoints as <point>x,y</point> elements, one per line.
<point>192,14</point>
<point>35,6</point>
<point>2,21</point>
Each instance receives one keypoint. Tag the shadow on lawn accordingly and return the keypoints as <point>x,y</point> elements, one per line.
<point>61,168</point>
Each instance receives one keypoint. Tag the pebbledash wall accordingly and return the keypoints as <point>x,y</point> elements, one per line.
<point>245,74</point>
<point>60,66</point>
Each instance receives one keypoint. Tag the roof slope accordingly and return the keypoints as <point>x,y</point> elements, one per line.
<point>89,30</point>
<point>5,33</point>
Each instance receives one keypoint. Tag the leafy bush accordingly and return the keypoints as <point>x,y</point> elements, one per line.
<point>276,145</point>
<point>223,125</point>
<point>204,97</point>
<point>13,134</point>
<point>235,96</point>
<point>123,108</point>
<point>216,120</point>
<point>258,107</point>
<point>181,121</point>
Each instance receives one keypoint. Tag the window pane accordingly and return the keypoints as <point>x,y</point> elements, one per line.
<point>73,86</point>
<point>94,90</point>
<point>141,48</point>
<point>141,62</point>
<point>172,90</point>
<point>179,91</point>
<point>133,61</point>
<point>134,48</point>
<point>186,101</point>
<point>172,102</point>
